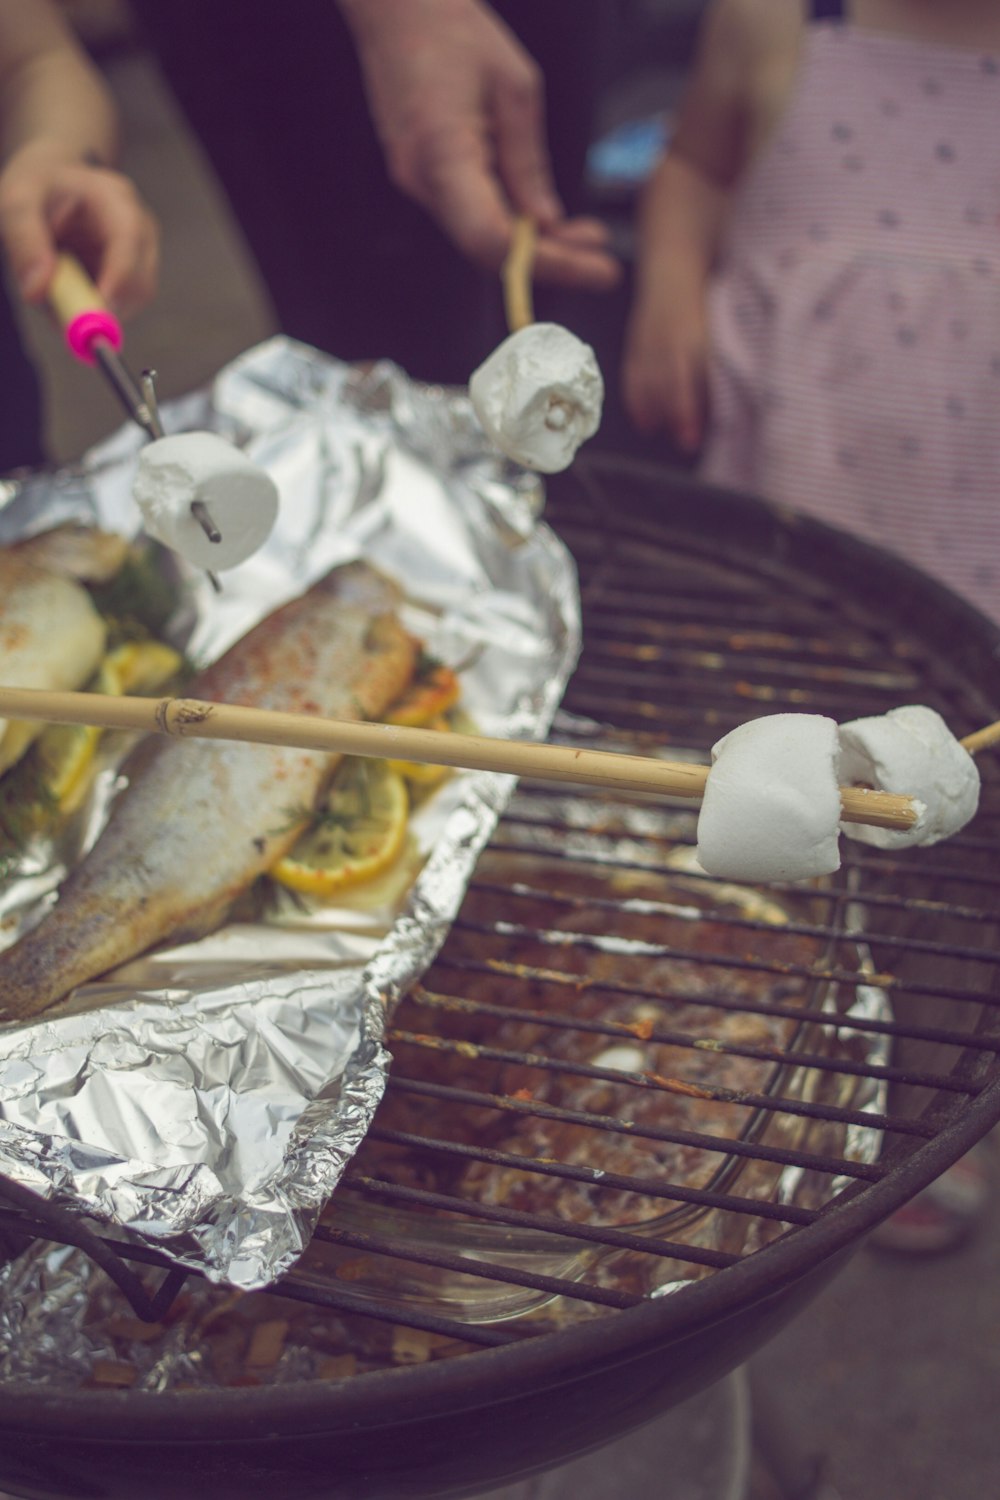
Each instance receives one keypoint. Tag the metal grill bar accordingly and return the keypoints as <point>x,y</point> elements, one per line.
<point>644,906</point>
<point>436,1001</point>
<point>618,627</point>
<point>838,1166</point>
<point>497,967</point>
<point>338,1300</point>
<point>776,1104</point>
<point>646,1187</point>
<point>829,975</point>
<point>485,1270</point>
<point>645,667</point>
<point>332,1297</point>
<point>604,1235</point>
<point>870,863</point>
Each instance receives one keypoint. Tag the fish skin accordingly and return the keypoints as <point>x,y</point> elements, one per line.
<point>200,820</point>
<point>80,552</point>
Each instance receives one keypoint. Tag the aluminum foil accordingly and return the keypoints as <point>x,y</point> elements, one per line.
<point>64,1325</point>
<point>206,1099</point>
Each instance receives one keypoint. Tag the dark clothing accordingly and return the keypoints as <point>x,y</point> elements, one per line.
<point>275,96</point>
<point>21,441</point>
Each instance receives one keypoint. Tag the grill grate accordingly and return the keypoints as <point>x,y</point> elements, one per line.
<point>582,940</point>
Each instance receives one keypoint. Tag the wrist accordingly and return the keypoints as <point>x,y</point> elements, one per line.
<point>665,280</point>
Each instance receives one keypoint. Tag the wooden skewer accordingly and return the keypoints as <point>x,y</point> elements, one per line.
<point>195,718</point>
<point>982,739</point>
<point>515,275</point>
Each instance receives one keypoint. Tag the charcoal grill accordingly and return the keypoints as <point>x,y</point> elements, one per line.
<point>701,610</point>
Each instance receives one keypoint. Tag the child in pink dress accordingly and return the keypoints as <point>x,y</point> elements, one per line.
<point>818,288</point>
<point>817,308</point>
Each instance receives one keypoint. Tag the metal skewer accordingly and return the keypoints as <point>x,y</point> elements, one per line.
<point>199,509</point>
<point>151,403</point>
<point>203,516</point>
<point>94,336</point>
<point>119,377</point>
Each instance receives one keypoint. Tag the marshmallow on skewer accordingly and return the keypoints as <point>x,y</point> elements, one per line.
<point>910,750</point>
<point>539,396</point>
<point>771,808</point>
<point>240,498</point>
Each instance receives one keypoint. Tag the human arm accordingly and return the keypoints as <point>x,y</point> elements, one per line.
<point>58,136</point>
<point>681,223</point>
<point>665,364</point>
<point>459,109</point>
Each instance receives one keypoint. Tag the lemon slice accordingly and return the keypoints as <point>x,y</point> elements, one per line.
<point>65,757</point>
<point>66,751</point>
<point>359,832</point>
<point>431,695</point>
<point>137,667</point>
<point>418,773</point>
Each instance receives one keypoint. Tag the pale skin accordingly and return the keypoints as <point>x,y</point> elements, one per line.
<point>57,188</point>
<point>740,85</point>
<point>458,106</point>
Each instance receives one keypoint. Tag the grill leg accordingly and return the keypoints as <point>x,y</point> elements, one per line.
<point>699,1451</point>
<point>793,1474</point>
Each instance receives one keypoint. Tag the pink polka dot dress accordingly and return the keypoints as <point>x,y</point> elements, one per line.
<point>855,319</point>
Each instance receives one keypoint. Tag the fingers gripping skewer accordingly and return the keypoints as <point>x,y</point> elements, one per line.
<point>194,718</point>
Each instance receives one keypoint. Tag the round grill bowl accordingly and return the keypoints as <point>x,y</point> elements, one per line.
<point>489,1417</point>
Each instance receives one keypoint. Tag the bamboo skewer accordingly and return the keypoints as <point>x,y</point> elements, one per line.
<point>983,739</point>
<point>515,275</point>
<point>197,719</point>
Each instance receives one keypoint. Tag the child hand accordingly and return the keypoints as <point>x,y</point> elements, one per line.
<point>665,370</point>
<point>50,202</point>
<point>458,106</point>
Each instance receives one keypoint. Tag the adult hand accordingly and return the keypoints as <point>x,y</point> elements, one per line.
<point>50,203</point>
<point>459,109</point>
<point>665,369</point>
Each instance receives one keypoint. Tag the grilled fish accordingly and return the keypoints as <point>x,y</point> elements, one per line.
<point>200,819</point>
<point>74,551</point>
<point>51,636</point>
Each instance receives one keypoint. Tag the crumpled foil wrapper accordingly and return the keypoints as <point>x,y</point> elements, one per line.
<point>210,1102</point>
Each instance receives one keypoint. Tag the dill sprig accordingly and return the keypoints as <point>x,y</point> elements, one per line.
<point>137,602</point>
<point>26,804</point>
<point>425,664</point>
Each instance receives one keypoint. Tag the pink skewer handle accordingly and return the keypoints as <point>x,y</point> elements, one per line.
<point>81,332</point>
<point>80,310</point>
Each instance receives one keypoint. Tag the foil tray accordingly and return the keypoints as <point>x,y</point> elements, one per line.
<point>205,1099</point>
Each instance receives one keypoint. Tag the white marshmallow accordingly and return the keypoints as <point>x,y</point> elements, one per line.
<point>912,751</point>
<point>539,396</point>
<point>771,809</point>
<point>241,498</point>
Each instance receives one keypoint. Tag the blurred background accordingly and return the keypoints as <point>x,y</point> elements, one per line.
<point>213,301</point>
<point>887,1386</point>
